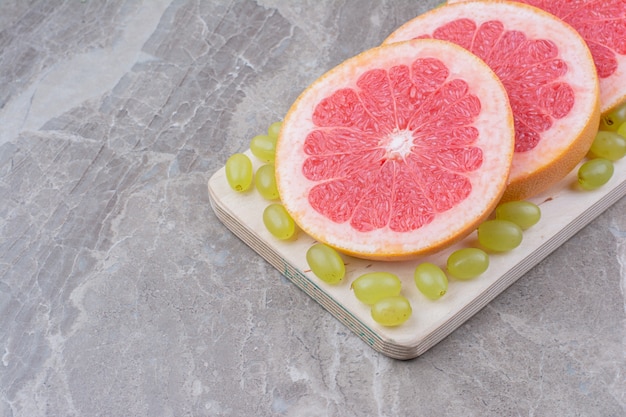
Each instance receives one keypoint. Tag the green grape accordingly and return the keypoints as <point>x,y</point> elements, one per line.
<point>274,129</point>
<point>371,287</point>
<point>595,173</point>
<point>326,263</point>
<point>239,172</point>
<point>391,311</point>
<point>263,147</point>
<point>467,263</point>
<point>621,130</point>
<point>265,182</point>
<point>613,119</point>
<point>523,213</point>
<point>499,235</point>
<point>609,145</point>
<point>430,280</point>
<point>278,222</point>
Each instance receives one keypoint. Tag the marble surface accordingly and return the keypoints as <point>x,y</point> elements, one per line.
<point>121,294</point>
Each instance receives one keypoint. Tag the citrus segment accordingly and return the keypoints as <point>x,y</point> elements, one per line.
<point>401,150</point>
<point>602,24</point>
<point>547,71</point>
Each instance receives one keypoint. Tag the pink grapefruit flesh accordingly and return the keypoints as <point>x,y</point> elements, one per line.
<point>549,75</point>
<point>399,151</point>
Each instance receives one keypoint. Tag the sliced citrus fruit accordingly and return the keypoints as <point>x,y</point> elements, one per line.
<point>398,151</point>
<point>602,24</point>
<point>549,75</point>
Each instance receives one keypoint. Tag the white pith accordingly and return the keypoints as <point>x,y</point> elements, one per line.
<point>398,144</point>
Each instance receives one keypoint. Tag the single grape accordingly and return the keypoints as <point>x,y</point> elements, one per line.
<point>621,130</point>
<point>430,280</point>
<point>278,222</point>
<point>265,182</point>
<point>263,147</point>
<point>499,235</point>
<point>371,287</point>
<point>595,173</point>
<point>523,213</point>
<point>274,129</point>
<point>239,172</point>
<point>326,263</point>
<point>467,263</point>
<point>613,119</point>
<point>391,311</point>
<point>609,145</point>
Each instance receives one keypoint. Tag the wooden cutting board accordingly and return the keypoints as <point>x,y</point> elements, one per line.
<point>565,210</point>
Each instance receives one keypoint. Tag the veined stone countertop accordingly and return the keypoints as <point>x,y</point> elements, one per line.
<point>122,294</point>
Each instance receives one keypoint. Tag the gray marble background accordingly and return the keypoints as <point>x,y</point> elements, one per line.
<point>121,294</point>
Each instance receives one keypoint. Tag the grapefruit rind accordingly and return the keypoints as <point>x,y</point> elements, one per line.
<point>496,139</point>
<point>569,139</point>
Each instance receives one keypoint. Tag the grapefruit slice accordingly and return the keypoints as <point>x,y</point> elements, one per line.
<point>549,75</point>
<point>399,151</point>
<point>602,24</point>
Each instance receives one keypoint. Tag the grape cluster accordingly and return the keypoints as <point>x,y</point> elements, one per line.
<point>503,233</point>
<point>240,176</point>
<point>382,290</point>
<point>324,261</point>
<point>608,146</point>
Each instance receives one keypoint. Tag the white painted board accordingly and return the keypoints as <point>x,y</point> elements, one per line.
<point>565,210</point>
